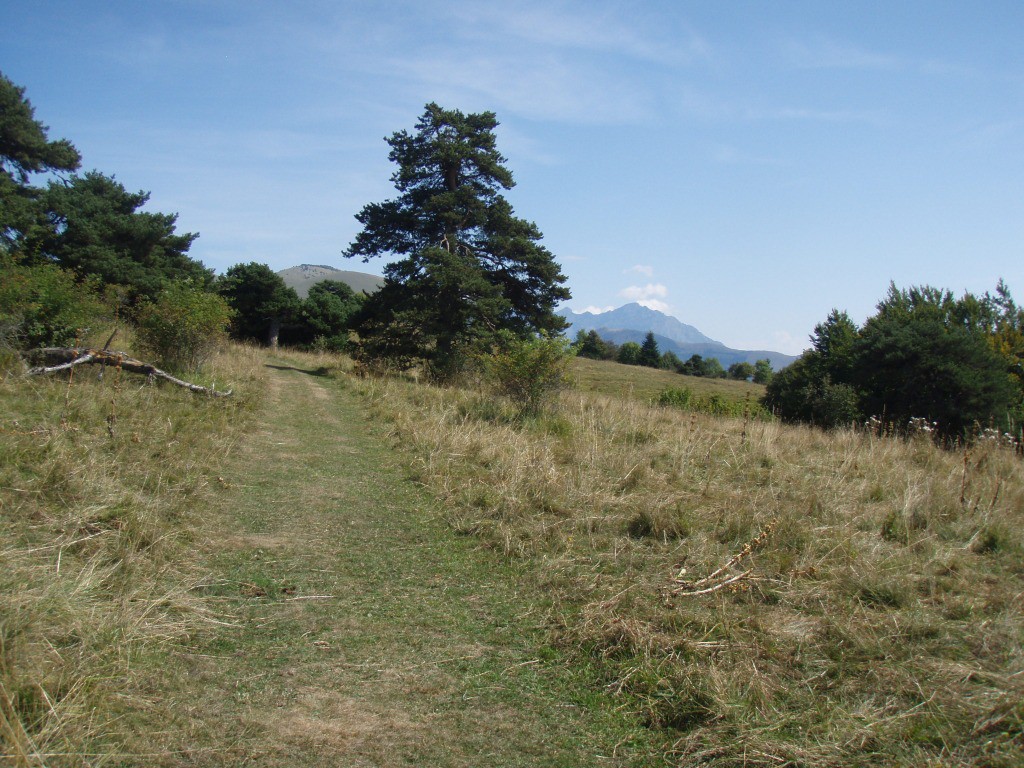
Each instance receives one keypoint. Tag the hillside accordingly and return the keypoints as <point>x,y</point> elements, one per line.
<point>632,322</point>
<point>305,276</point>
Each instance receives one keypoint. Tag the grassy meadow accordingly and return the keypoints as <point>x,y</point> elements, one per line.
<point>751,593</point>
<point>604,377</point>
<point>103,483</point>
<point>761,594</point>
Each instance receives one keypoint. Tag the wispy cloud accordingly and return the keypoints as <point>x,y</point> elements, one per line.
<point>788,343</point>
<point>640,269</point>
<point>543,87</point>
<point>592,27</point>
<point>729,155</point>
<point>824,53</point>
<point>594,310</point>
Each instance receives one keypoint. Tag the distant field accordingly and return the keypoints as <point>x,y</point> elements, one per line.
<point>607,378</point>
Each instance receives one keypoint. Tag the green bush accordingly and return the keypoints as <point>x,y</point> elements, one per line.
<point>183,326</point>
<point>43,305</point>
<point>528,371</point>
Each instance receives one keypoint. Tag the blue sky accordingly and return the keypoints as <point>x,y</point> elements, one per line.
<point>743,166</point>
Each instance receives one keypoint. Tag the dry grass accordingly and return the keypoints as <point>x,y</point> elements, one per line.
<point>101,483</point>
<point>873,617</point>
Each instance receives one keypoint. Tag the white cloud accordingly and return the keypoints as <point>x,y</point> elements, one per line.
<point>654,304</point>
<point>590,27</point>
<point>649,296</point>
<point>642,293</point>
<point>594,310</point>
<point>545,86</point>
<point>641,269</point>
<point>788,344</point>
<point>729,155</point>
<point>823,53</point>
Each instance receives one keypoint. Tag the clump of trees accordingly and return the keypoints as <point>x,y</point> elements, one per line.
<point>266,310</point>
<point>466,269</point>
<point>78,252</point>
<point>589,344</point>
<point>958,363</point>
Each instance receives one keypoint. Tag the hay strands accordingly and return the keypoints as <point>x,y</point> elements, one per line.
<point>64,358</point>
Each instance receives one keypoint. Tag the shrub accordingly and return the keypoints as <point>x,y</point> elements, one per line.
<point>183,326</point>
<point>43,305</point>
<point>528,371</point>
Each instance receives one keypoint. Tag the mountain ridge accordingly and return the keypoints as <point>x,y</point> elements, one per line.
<point>632,322</point>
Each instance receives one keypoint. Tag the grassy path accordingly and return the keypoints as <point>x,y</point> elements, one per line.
<point>368,633</point>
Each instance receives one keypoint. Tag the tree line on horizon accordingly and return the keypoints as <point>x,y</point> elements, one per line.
<point>590,344</point>
<point>925,360</point>
<point>470,280</point>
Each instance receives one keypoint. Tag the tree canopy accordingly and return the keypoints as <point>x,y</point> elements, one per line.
<point>261,301</point>
<point>468,268</point>
<point>924,354</point>
<point>98,230</point>
<point>88,224</point>
<point>590,344</point>
<point>25,149</point>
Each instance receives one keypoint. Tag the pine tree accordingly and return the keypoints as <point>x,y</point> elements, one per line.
<point>25,149</point>
<point>467,267</point>
<point>649,353</point>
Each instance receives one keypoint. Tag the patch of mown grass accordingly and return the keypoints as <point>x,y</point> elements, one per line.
<point>879,622</point>
<point>402,643</point>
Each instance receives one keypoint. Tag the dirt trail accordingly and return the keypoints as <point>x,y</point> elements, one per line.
<point>369,634</point>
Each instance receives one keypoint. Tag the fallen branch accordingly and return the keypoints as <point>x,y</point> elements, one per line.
<point>687,590</point>
<point>68,357</point>
<point>721,578</point>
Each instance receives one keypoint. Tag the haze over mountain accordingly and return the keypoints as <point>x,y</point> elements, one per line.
<point>632,322</point>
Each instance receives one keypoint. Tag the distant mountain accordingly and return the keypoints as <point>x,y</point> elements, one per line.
<point>632,322</point>
<point>636,317</point>
<point>305,276</point>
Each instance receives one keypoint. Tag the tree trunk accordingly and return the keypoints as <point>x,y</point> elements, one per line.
<point>273,332</point>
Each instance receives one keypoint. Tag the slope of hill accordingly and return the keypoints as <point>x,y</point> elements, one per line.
<point>632,322</point>
<point>305,276</point>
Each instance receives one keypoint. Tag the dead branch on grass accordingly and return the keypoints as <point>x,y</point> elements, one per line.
<point>64,358</point>
<point>721,578</point>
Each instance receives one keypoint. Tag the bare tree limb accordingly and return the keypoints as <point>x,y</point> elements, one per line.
<point>68,357</point>
<point>687,590</point>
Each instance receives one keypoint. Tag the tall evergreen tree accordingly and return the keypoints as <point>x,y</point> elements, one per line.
<point>467,267</point>
<point>650,355</point>
<point>25,149</point>
<point>98,230</point>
